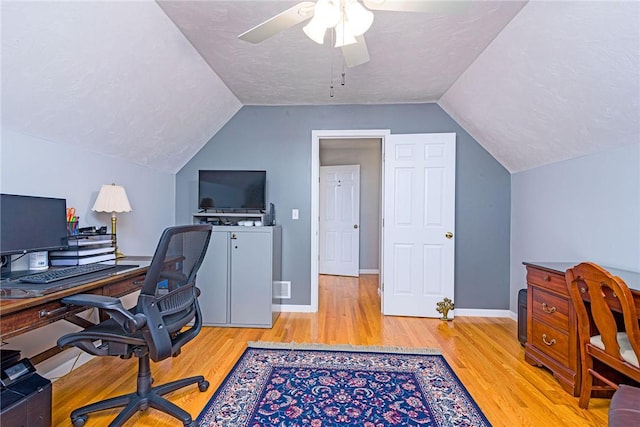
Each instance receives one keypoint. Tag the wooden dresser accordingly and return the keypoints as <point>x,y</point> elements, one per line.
<point>552,337</point>
<point>552,333</point>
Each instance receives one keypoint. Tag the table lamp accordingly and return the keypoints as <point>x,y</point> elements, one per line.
<point>112,199</point>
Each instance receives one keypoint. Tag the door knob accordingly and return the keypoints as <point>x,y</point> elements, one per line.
<point>355,225</point>
<point>448,235</point>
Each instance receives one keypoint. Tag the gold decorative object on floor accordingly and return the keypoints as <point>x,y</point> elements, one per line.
<point>444,307</point>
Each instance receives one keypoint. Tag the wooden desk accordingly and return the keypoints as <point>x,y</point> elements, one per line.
<point>552,332</point>
<point>18,316</point>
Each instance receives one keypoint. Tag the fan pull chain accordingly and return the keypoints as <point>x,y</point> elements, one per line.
<point>342,81</point>
<point>331,80</point>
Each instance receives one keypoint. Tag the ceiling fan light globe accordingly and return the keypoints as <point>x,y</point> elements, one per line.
<point>327,12</point>
<point>344,34</point>
<point>360,19</point>
<point>315,30</point>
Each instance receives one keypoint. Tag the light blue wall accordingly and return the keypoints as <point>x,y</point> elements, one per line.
<point>278,139</point>
<point>33,166</point>
<point>584,209</point>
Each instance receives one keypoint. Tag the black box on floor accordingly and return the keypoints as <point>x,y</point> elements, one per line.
<point>522,316</point>
<point>9,357</point>
<point>25,398</point>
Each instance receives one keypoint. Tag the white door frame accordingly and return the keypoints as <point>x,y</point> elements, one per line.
<point>316,136</point>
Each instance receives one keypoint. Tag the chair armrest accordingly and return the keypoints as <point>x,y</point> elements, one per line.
<point>98,301</point>
<point>114,308</point>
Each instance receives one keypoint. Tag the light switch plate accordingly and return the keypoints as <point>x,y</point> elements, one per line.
<point>295,214</point>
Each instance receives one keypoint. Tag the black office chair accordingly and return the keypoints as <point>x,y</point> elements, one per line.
<point>155,329</point>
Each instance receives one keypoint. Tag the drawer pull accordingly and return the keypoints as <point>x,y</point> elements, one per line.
<point>46,313</point>
<point>548,309</point>
<point>549,343</point>
<point>546,278</point>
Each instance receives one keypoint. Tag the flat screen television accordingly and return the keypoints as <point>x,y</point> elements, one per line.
<point>231,190</point>
<point>32,224</point>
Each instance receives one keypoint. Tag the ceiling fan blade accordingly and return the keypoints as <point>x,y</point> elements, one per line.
<point>436,6</point>
<point>356,53</point>
<point>287,19</point>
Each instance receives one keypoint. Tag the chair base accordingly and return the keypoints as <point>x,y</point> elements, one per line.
<point>145,397</point>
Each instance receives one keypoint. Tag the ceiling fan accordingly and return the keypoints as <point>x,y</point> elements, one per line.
<point>349,19</point>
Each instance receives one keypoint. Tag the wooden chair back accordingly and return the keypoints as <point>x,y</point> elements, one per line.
<point>596,296</point>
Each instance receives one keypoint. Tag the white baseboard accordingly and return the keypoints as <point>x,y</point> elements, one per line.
<point>469,312</point>
<point>369,271</point>
<point>481,312</point>
<point>292,308</point>
<point>62,364</point>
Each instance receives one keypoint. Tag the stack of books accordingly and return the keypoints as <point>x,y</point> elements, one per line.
<point>86,249</point>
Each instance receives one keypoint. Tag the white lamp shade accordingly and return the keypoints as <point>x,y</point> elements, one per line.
<point>112,198</point>
<point>360,19</point>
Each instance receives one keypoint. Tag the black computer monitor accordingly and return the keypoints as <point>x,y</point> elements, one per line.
<point>32,224</point>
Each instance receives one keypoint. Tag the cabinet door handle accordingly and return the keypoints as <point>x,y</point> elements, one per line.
<point>548,309</point>
<point>549,343</point>
<point>233,236</point>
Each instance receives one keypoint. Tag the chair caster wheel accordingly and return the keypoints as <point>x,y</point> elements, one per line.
<point>79,421</point>
<point>202,386</point>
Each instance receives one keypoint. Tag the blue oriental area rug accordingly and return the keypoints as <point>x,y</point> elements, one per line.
<point>313,385</point>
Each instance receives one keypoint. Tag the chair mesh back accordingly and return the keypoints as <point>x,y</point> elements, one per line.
<point>177,259</point>
<point>169,295</point>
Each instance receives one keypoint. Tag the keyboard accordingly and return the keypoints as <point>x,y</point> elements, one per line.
<point>64,273</point>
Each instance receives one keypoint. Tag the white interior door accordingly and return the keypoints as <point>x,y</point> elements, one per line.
<point>419,214</point>
<point>340,220</point>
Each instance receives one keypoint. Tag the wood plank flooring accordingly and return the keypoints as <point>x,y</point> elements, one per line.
<point>483,352</point>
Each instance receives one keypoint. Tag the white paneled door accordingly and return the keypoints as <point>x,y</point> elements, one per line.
<point>419,214</point>
<point>340,220</point>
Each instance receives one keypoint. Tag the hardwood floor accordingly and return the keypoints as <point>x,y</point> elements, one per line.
<point>483,352</point>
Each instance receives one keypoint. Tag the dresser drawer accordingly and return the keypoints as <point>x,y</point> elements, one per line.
<point>550,308</point>
<point>551,341</point>
<point>547,280</point>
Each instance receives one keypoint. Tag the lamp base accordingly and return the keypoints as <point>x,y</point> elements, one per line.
<point>114,238</point>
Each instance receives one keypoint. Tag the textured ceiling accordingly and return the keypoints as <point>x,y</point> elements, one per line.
<point>152,82</point>
<point>116,78</point>
<point>560,81</point>
<point>415,57</point>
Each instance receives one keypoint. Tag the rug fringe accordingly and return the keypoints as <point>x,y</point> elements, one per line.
<point>341,347</point>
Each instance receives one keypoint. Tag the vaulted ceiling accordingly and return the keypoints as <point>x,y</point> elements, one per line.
<point>533,82</point>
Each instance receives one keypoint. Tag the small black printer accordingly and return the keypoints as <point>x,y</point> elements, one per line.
<point>25,396</point>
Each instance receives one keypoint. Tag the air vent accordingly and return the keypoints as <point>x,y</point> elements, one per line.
<point>281,290</point>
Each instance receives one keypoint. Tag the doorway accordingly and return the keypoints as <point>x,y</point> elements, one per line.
<point>420,211</point>
<point>345,144</point>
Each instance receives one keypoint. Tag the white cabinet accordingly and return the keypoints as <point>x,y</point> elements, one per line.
<point>236,277</point>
